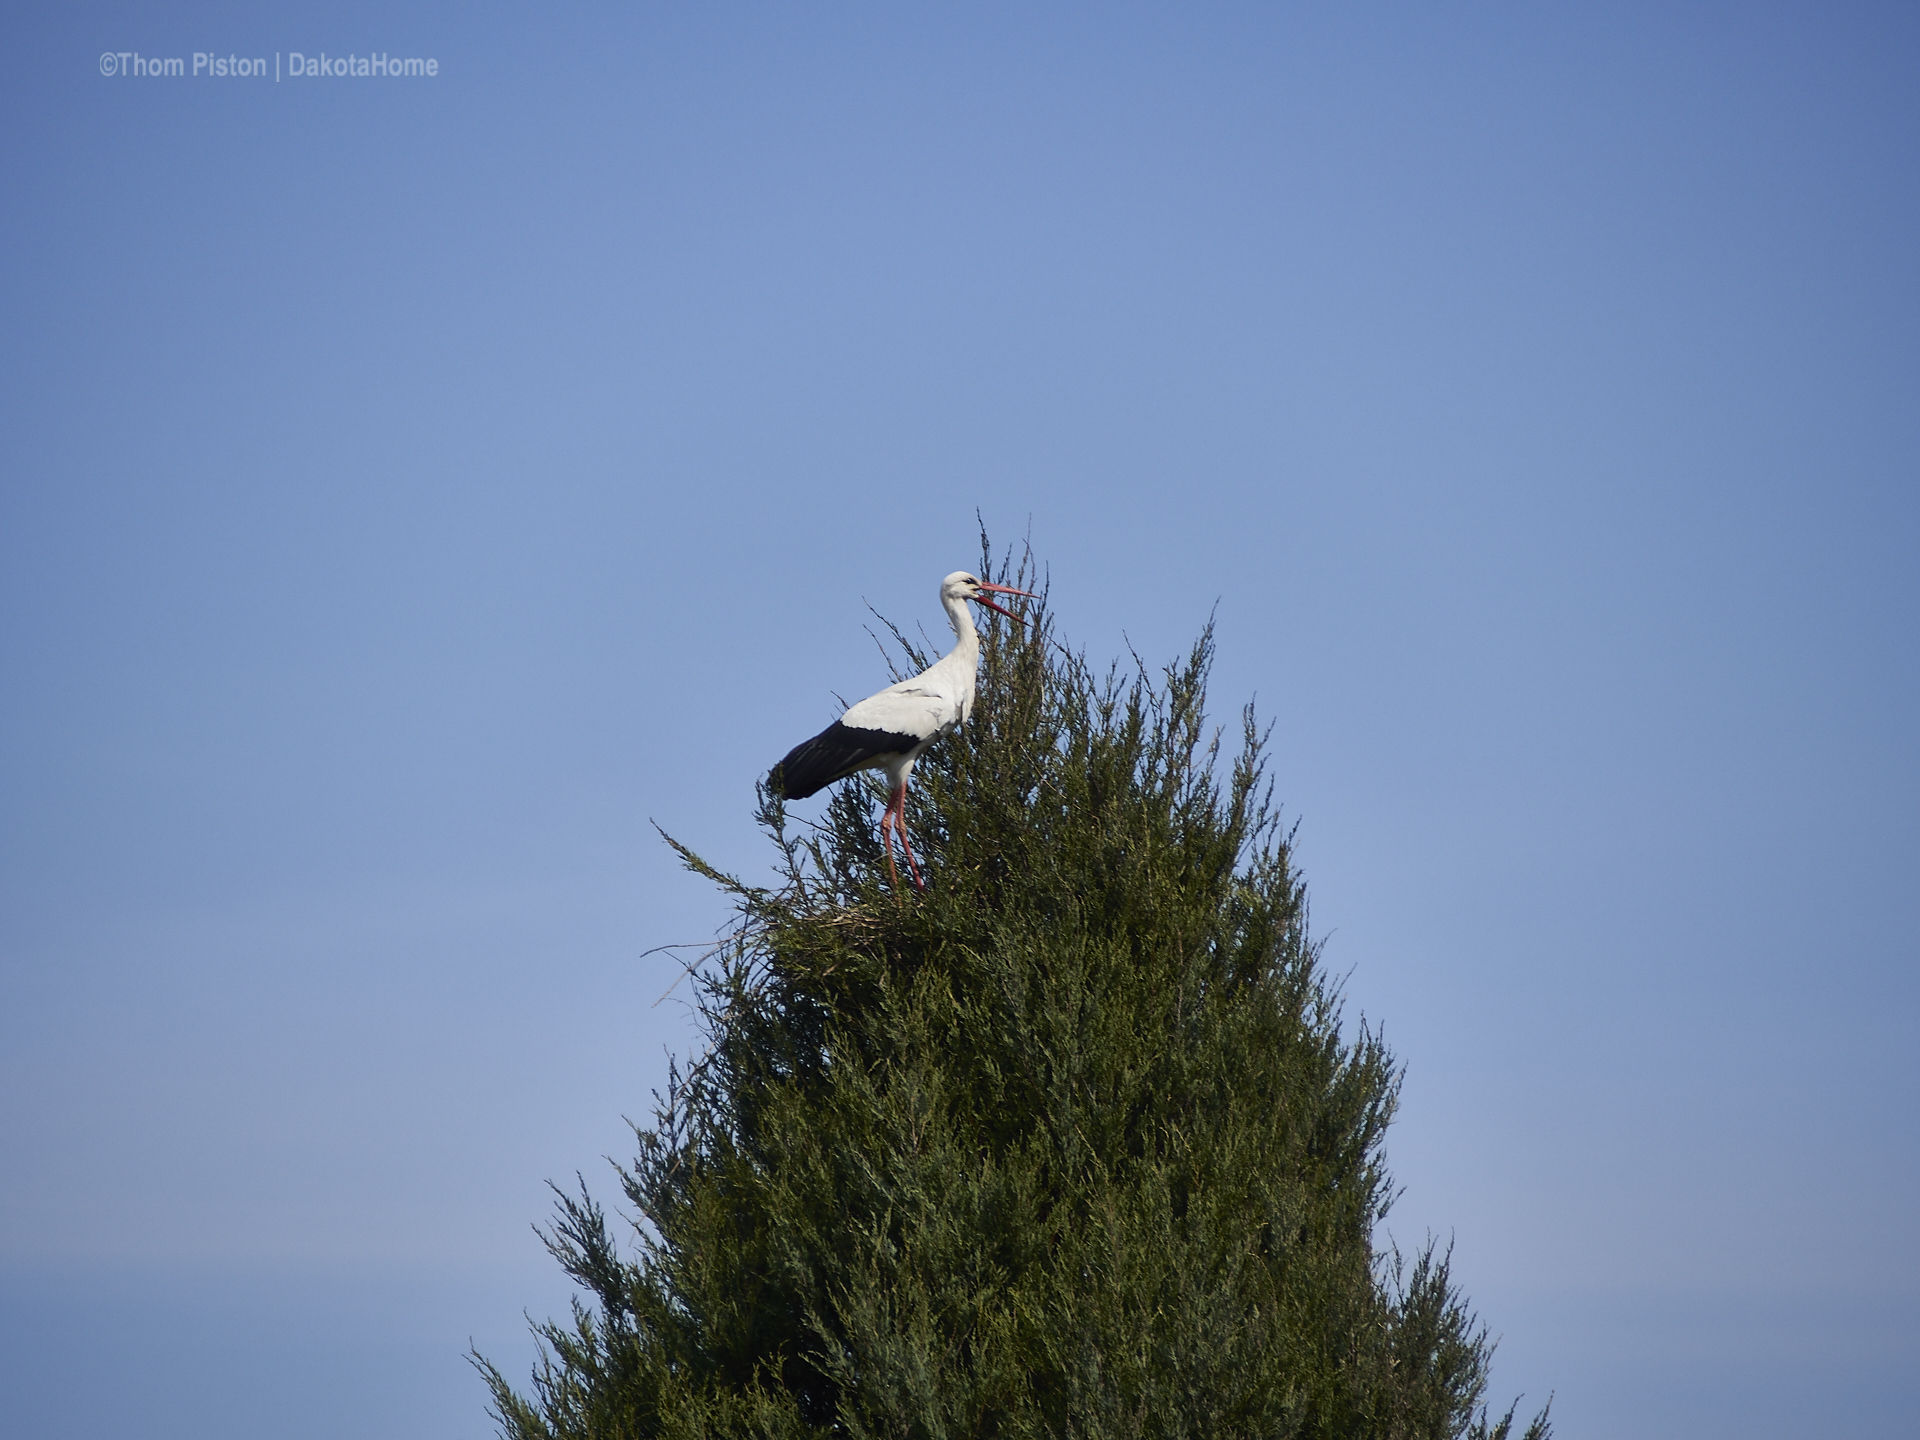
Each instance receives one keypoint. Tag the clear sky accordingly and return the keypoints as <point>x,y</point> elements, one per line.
<point>411,487</point>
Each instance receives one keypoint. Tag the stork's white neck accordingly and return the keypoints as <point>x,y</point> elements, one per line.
<point>960,616</point>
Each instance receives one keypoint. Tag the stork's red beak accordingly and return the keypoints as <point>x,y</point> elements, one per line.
<point>1001,590</point>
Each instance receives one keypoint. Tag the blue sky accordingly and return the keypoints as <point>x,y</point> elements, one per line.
<point>412,488</point>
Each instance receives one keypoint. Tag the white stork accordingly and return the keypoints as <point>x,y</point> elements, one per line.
<point>889,730</point>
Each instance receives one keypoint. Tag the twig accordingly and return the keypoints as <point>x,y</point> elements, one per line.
<point>689,969</point>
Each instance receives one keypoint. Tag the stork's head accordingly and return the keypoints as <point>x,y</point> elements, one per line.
<point>962,585</point>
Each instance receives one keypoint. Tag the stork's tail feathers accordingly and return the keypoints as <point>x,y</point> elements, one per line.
<point>835,753</point>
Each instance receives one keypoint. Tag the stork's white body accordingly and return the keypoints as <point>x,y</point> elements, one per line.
<point>938,699</point>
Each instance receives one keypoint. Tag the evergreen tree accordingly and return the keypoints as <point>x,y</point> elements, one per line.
<point>1068,1144</point>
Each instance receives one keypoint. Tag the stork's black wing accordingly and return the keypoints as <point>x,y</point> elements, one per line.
<point>835,753</point>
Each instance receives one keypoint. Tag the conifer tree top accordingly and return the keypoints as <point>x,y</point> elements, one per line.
<point>1069,1144</point>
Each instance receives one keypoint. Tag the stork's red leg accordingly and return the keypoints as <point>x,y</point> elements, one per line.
<point>895,818</point>
<point>900,819</point>
<point>886,837</point>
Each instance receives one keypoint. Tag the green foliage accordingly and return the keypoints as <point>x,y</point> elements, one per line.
<point>1070,1144</point>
